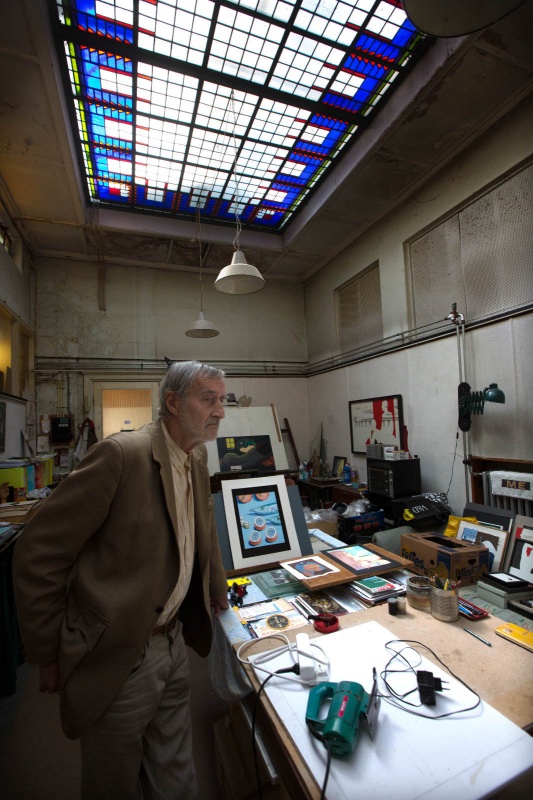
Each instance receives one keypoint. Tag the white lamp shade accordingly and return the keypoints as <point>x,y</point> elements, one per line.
<point>239,277</point>
<point>456,17</point>
<point>202,328</point>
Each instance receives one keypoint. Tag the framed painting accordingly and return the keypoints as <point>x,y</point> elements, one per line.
<point>260,524</point>
<point>245,453</point>
<point>339,462</point>
<point>494,539</point>
<point>376,420</point>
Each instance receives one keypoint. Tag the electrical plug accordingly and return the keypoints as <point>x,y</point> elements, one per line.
<point>428,684</point>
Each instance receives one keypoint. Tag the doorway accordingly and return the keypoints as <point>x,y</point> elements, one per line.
<point>124,405</point>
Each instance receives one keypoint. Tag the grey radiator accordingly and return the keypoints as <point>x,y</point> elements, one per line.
<point>518,505</point>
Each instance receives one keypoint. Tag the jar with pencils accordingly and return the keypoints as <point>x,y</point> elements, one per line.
<point>444,600</point>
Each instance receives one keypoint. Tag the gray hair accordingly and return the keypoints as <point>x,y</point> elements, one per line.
<point>179,378</point>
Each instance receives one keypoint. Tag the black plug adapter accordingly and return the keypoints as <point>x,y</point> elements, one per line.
<point>428,684</point>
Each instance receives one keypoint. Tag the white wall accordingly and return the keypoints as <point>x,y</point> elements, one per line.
<point>427,376</point>
<point>16,288</point>
<point>148,311</point>
<point>147,314</point>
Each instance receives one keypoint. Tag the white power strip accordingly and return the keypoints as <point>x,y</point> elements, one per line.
<point>306,661</point>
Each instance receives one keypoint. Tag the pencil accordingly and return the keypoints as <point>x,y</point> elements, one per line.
<point>481,639</point>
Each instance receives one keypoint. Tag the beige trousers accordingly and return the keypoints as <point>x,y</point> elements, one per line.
<point>141,747</point>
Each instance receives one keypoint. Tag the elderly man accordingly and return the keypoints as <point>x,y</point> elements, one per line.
<point>117,572</point>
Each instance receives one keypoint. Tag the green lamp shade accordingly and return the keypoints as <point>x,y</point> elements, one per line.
<point>493,395</point>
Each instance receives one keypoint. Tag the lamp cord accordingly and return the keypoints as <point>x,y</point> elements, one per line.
<point>198,236</point>
<point>234,171</point>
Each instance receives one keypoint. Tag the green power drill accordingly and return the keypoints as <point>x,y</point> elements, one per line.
<point>349,705</point>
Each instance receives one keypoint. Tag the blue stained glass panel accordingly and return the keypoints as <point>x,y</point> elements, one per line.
<point>144,94</point>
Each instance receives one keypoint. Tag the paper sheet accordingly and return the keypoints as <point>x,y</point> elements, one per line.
<point>468,755</point>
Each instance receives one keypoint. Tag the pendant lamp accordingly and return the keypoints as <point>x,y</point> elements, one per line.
<point>448,18</point>
<point>239,277</point>
<point>201,328</point>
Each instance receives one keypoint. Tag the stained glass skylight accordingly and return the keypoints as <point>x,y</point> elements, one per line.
<point>234,107</point>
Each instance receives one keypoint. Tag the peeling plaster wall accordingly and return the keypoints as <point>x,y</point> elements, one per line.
<point>427,376</point>
<point>16,288</point>
<point>147,314</point>
<point>148,311</point>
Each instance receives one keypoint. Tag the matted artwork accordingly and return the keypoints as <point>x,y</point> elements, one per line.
<point>244,453</point>
<point>521,565</point>
<point>376,420</point>
<point>494,539</point>
<point>360,560</point>
<point>261,527</point>
<point>309,567</point>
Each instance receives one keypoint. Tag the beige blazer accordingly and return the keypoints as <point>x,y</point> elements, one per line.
<point>95,566</point>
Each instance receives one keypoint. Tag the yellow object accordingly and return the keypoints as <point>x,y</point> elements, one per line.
<point>453,525</point>
<point>514,633</point>
<point>242,581</point>
<point>408,515</point>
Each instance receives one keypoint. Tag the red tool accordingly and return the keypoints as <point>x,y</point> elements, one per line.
<point>325,623</point>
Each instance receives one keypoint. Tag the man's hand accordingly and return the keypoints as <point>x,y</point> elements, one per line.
<point>219,603</point>
<point>49,677</point>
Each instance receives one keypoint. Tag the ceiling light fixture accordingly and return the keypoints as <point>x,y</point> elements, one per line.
<point>239,277</point>
<point>201,328</point>
<point>448,18</point>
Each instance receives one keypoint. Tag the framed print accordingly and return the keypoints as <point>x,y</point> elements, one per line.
<point>361,561</point>
<point>376,420</point>
<point>494,539</point>
<point>260,524</point>
<point>339,462</point>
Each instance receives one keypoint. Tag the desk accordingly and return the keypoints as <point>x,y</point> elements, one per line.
<point>501,675</point>
<point>331,491</point>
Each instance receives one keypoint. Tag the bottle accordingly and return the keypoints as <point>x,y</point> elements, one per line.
<point>347,473</point>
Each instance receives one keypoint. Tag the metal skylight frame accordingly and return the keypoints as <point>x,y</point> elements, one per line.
<point>167,95</point>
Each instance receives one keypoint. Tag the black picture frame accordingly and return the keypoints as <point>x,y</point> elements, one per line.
<point>339,462</point>
<point>376,420</point>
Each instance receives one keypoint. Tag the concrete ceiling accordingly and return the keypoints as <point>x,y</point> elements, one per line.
<point>458,90</point>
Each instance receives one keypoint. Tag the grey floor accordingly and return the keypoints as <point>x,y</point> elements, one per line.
<point>37,762</point>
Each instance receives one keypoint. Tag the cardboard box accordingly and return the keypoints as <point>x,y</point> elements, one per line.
<point>363,525</point>
<point>234,760</point>
<point>455,559</point>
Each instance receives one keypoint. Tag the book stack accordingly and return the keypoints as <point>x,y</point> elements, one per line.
<point>375,589</point>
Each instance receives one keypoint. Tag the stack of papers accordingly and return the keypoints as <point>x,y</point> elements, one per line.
<point>262,619</point>
<point>375,589</point>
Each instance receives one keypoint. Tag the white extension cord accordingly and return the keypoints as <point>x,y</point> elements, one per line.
<point>306,661</point>
<point>312,668</point>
